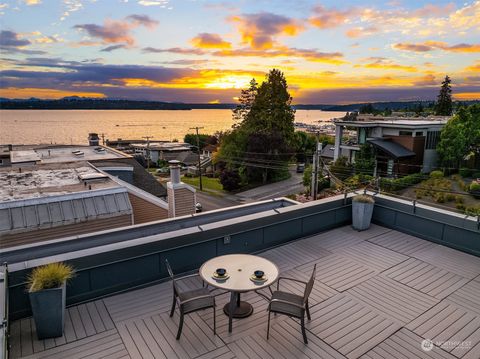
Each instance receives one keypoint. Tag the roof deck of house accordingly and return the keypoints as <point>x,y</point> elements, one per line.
<point>378,294</point>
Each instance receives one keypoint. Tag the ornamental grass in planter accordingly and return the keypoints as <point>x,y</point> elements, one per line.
<point>362,210</point>
<point>46,287</point>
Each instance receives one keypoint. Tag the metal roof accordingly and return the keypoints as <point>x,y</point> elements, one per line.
<point>47,212</point>
<point>392,148</point>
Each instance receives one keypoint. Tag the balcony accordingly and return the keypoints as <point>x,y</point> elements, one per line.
<point>378,293</point>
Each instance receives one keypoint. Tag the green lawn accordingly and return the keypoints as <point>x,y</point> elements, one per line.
<point>212,184</point>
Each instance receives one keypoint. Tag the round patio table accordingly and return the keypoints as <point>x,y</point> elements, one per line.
<point>240,269</point>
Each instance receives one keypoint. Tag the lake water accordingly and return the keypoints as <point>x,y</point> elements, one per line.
<point>73,126</point>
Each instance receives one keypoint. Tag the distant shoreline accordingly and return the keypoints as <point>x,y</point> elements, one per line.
<point>113,104</point>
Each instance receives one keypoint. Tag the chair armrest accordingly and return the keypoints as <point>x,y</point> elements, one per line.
<point>196,298</point>
<point>187,276</point>
<point>285,302</point>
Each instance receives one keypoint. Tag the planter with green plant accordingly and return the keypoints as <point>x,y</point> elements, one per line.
<point>47,287</point>
<point>362,210</point>
<point>474,189</point>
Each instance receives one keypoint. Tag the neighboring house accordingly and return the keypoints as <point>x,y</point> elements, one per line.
<point>402,144</point>
<point>167,151</point>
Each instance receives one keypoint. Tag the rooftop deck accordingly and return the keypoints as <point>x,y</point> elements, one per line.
<point>378,294</point>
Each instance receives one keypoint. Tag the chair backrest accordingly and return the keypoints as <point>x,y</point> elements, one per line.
<point>309,286</point>
<point>169,269</point>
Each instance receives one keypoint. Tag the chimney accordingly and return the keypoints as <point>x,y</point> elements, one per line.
<point>93,139</point>
<point>181,197</point>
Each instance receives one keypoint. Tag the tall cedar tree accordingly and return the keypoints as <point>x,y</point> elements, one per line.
<point>259,146</point>
<point>444,104</point>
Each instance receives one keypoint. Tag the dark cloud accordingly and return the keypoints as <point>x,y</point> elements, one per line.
<point>113,48</point>
<point>174,50</point>
<point>143,20</point>
<point>11,39</point>
<point>259,30</point>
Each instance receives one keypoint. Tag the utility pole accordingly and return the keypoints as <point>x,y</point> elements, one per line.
<point>199,159</point>
<point>315,171</point>
<point>148,151</point>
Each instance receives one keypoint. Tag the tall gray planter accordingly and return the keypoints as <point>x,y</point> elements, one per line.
<point>48,307</point>
<point>361,215</point>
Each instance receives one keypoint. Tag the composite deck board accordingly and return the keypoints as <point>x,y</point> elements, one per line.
<point>80,322</point>
<point>372,255</point>
<point>349,326</point>
<point>294,254</point>
<point>401,242</point>
<point>100,345</point>
<point>467,296</point>
<point>377,294</point>
<point>426,278</point>
<point>453,328</point>
<point>466,265</point>
<point>339,272</point>
<point>392,299</point>
<point>405,344</point>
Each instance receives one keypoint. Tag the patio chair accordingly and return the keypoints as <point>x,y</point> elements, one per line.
<point>189,300</point>
<point>291,304</point>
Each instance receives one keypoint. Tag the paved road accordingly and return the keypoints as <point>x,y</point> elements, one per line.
<point>210,202</point>
<point>292,185</point>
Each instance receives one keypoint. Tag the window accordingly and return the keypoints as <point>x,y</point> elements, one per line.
<point>405,133</point>
<point>419,133</point>
<point>432,140</point>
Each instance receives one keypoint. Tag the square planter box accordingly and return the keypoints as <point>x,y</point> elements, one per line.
<point>48,308</point>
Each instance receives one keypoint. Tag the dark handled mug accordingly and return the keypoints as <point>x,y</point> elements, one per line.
<point>221,272</point>
<point>259,274</point>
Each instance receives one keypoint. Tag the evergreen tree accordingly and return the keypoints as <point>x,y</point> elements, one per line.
<point>444,104</point>
<point>245,102</point>
<point>260,146</point>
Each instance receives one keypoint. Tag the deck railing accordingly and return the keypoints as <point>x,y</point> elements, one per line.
<point>4,312</point>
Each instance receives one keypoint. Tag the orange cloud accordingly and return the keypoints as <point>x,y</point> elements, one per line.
<point>361,31</point>
<point>259,30</point>
<point>13,92</point>
<point>329,18</point>
<point>307,54</point>
<point>210,41</point>
<point>474,67</point>
<point>385,64</point>
<point>437,45</point>
<point>464,96</point>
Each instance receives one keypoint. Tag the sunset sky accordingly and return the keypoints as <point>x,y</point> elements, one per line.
<point>205,51</point>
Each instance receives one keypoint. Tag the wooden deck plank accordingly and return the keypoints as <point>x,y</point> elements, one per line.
<point>467,296</point>
<point>372,255</point>
<point>358,328</point>
<point>401,242</point>
<point>392,299</point>
<point>338,272</point>
<point>463,264</point>
<point>449,325</point>
<point>405,344</point>
<point>83,348</point>
<point>427,278</point>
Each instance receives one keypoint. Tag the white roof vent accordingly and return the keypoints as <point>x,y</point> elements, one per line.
<point>88,177</point>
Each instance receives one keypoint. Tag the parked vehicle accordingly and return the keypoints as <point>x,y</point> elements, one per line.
<point>300,167</point>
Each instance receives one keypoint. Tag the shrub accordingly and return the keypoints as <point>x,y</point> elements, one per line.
<point>394,185</point>
<point>476,175</point>
<point>436,174</point>
<point>474,186</point>
<point>465,172</point>
<point>459,199</point>
<point>52,275</point>
<point>450,197</point>
<point>472,211</point>
<point>440,198</point>
<point>460,206</point>
<point>363,198</point>
<point>230,180</point>
<point>341,168</point>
